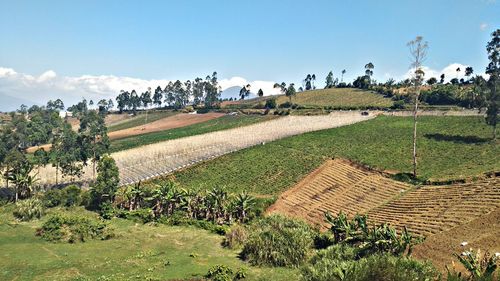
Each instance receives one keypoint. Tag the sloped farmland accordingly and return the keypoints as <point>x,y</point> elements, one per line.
<point>157,159</point>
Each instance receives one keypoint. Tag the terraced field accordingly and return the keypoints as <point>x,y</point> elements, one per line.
<point>426,210</point>
<point>161,158</point>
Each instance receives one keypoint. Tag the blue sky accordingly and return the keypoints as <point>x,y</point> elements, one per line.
<point>257,40</point>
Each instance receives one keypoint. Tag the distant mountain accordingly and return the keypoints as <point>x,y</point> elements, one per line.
<point>8,103</point>
<point>234,92</point>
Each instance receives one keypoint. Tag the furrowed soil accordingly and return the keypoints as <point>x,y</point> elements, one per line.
<point>446,215</point>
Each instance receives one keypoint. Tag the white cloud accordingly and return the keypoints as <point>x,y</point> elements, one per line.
<point>449,72</point>
<point>483,26</point>
<point>48,85</point>
<point>266,86</point>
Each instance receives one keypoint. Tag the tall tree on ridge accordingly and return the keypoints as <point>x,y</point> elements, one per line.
<point>342,77</point>
<point>260,93</point>
<point>493,69</point>
<point>418,50</point>
<point>329,80</point>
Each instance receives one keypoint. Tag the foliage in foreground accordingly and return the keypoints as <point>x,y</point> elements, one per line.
<point>29,209</point>
<point>222,272</point>
<point>74,228</point>
<point>370,240</point>
<point>480,267</point>
<point>278,241</point>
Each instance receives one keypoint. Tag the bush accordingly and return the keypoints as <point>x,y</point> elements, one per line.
<point>71,196</point>
<point>399,104</point>
<point>52,198</point>
<point>390,268</point>
<point>143,215</point>
<point>271,103</point>
<point>223,272</point>
<point>339,263</point>
<point>28,209</point>
<point>73,229</point>
<point>235,237</point>
<point>330,264</point>
<point>278,241</point>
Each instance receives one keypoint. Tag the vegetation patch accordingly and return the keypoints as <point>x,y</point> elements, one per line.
<point>74,228</point>
<point>383,143</point>
<point>221,123</point>
<point>29,209</point>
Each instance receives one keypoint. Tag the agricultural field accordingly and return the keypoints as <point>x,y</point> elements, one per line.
<point>339,186</point>
<point>450,148</point>
<point>170,122</point>
<point>140,119</point>
<point>153,160</point>
<point>138,252</point>
<point>218,124</point>
<point>334,97</point>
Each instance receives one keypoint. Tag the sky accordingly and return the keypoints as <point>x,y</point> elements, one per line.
<point>95,48</point>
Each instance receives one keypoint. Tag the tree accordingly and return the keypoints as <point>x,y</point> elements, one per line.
<point>56,105</point>
<point>458,71</point>
<point>22,178</point>
<point>134,101</point>
<point>260,93</point>
<point>441,80</point>
<point>431,81</point>
<point>212,91</point>
<point>418,50</point>
<point>93,138</point>
<point>65,154</point>
<point>106,185</point>
<point>307,82</point>
<point>342,77</point>
<point>369,69</point>
<point>281,86</point>
<point>158,96</point>
<point>103,106</point>
<point>290,92</point>
<point>146,98</point>
<point>244,91</point>
<point>469,71</point>
<point>123,100</point>
<point>493,69</point>
<point>313,78</point>
<point>329,80</point>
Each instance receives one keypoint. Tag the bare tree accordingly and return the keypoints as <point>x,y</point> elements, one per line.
<point>418,50</point>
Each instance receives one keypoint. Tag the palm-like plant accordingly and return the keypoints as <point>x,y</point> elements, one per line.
<point>243,203</point>
<point>23,180</point>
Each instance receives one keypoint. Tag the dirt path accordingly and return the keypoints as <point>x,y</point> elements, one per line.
<point>171,122</point>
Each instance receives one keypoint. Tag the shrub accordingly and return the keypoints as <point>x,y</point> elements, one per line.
<point>223,272</point>
<point>52,198</point>
<point>28,209</point>
<point>271,103</point>
<point>71,196</point>
<point>73,229</point>
<point>390,268</point>
<point>143,215</point>
<point>278,241</point>
<point>399,104</point>
<point>338,263</point>
<point>235,237</point>
<point>332,263</point>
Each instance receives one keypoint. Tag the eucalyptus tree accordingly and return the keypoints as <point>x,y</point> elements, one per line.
<point>313,79</point>
<point>418,51</point>
<point>123,100</point>
<point>145,98</point>
<point>290,91</point>
<point>441,78</point>
<point>260,93</point>
<point>65,154</point>
<point>212,90</point>
<point>198,90</point>
<point>244,91</point>
<point>329,80</point>
<point>369,70</point>
<point>493,69</point>
<point>93,138</point>
<point>158,96</point>
<point>342,77</point>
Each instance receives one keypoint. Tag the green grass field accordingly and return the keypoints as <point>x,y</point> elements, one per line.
<point>221,123</point>
<point>334,97</point>
<point>139,252</point>
<point>140,119</point>
<point>448,147</point>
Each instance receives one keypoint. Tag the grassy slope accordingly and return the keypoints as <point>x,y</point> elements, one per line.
<point>384,143</point>
<point>221,123</point>
<point>138,252</point>
<point>140,119</point>
<point>336,97</point>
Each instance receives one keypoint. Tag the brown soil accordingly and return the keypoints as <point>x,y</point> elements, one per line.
<point>171,122</point>
<point>446,215</point>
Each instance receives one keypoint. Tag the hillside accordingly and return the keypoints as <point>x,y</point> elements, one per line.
<point>324,98</point>
<point>425,210</point>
